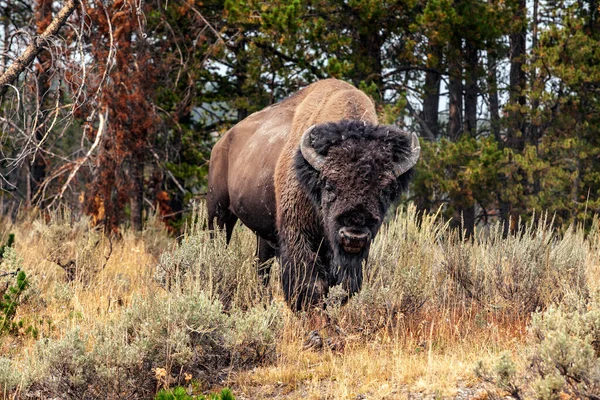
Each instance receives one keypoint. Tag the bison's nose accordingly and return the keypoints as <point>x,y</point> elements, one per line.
<point>354,240</point>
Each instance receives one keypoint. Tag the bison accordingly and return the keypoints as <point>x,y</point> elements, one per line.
<point>313,177</point>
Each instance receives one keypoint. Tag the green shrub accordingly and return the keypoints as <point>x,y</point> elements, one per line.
<point>401,275</point>
<point>521,273</point>
<point>504,375</point>
<point>253,334</point>
<point>418,262</point>
<point>563,356</point>
<point>156,342</point>
<point>202,263</point>
<point>11,299</point>
<point>66,369</point>
<point>9,242</point>
<point>13,294</point>
<point>179,393</point>
<point>566,352</point>
<point>10,377</point>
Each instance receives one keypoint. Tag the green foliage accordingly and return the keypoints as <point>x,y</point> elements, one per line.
<point>179,393</point>
<point>10,301</point>
<point>157,341</point>
<point>10,376</point>
<point>503,375</point>
<point>456,175</point>
<point>566,352</point>
<point>214,62</point>
<point>563,355</point>
<point>215,314</point>
<point>9,242</point>
<point>13,292</point>
<point>212,318</point>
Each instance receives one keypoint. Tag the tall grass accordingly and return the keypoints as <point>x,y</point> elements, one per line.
<point>144,311</point>
<point>421,269</point>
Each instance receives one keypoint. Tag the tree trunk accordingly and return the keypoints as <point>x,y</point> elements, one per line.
<point>494,103</point>
<point>431,101</point>
<point>44,81</point>
<point>455,128</point>
<point>471,90</point>
<point>516,134</point>
<point>534,134</point>
<point>455,90</point>
<point>241,74</point>
<point>368,51</point>
<point>137,194</point>
<point>494,106</point>
<point>7,37</point>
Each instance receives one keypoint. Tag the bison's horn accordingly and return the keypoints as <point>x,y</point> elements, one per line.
<point>308,151</point>
<point>411,159</point>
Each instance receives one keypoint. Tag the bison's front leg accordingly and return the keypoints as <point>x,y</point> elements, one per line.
<point>305,284</point>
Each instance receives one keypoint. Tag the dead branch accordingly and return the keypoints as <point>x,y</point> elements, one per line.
<point>36,46</point>
<point>84,159</point>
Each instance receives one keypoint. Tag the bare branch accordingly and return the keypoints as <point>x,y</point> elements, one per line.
<point>84,159</point>
<point>428,133</point>
<point>179,186</point>
<point>36,46</point>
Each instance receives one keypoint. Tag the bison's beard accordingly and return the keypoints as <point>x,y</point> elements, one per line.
<point>347,269</point>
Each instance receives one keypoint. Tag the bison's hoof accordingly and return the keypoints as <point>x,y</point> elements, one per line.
<point>314,341</point>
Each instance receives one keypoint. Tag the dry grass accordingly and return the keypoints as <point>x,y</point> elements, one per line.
<point>431,306</point>
<point>419,360</point>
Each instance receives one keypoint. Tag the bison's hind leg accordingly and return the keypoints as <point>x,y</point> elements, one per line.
<point>224,218</point>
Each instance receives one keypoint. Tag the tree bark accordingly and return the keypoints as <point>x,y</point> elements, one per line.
<point>494,105</point>
<point>455,127</point>
<point>494,102</point>
<point>36,46</point>
<point>368,51</point>
<point>137,194</point>
<point>471,90</point>
<point>455,89</point>
<point>44,81</point>
<point>516,134</point>
<point>470,123</point>
<point>431,102</point>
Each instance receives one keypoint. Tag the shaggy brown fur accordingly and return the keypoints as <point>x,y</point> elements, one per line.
<point>320,221</point>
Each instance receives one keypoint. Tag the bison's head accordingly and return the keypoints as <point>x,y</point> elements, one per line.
<point>352,171</point>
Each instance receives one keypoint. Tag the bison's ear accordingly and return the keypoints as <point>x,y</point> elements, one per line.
<point>308,177</point>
